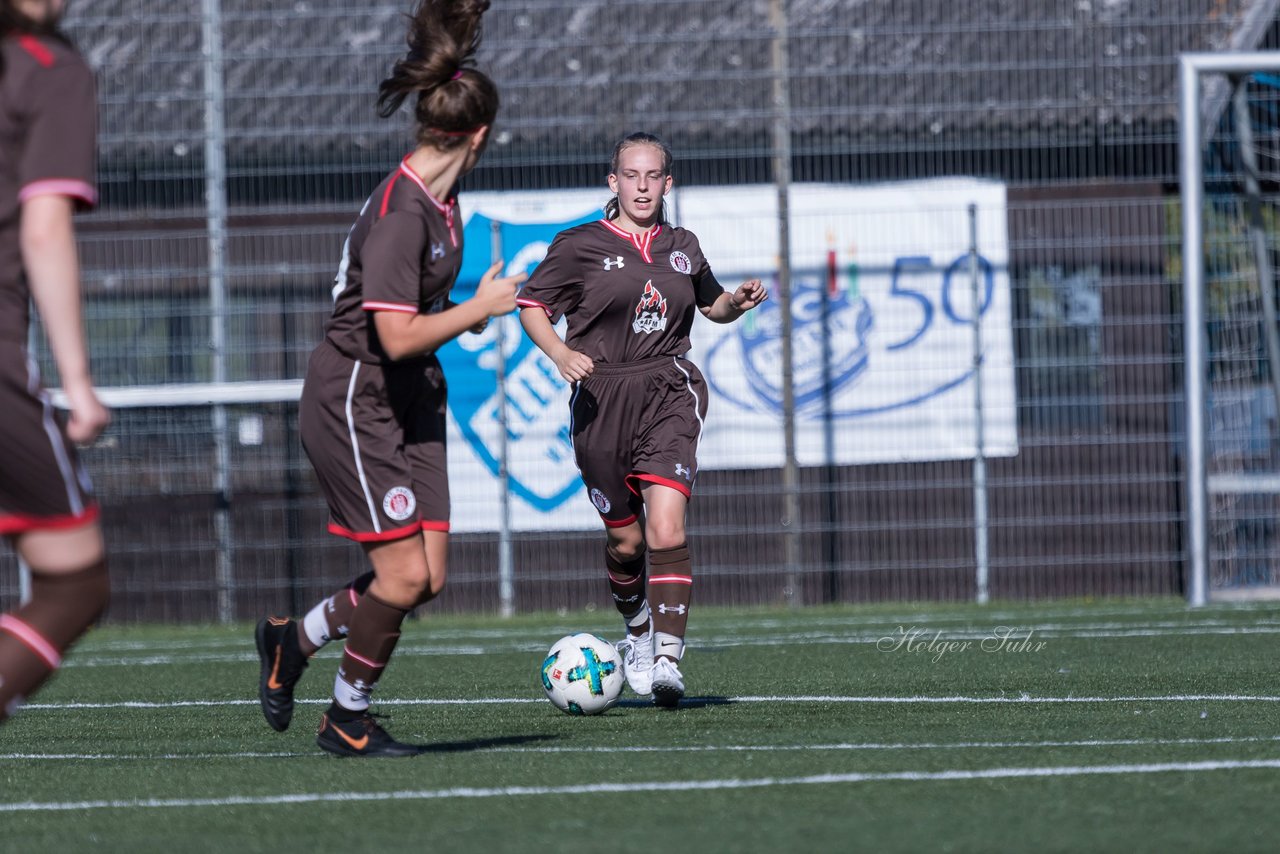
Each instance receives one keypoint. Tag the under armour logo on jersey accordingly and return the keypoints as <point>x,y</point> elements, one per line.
<point>683,470</point>
<point>678,610</point>
<point>610,263</point>
<point>437,251</point>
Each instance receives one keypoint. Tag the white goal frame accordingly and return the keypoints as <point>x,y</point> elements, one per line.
<point>1196,113</point>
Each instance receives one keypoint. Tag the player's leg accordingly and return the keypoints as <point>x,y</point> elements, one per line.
<point>285,647</point>
<point>603,421</point>
<point>625,563</point>
<point>670,587</point>
<point>435,547</point>
<point>69,591</point>
<point>402,581</point>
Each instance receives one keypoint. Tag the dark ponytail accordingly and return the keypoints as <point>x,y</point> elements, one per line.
<point>454,99</point>
<point>640,138</point>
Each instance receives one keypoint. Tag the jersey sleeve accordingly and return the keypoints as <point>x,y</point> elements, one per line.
<point>555,286</point>
<point>391,258</point>
<point>706,288</point>
<point>59,153</point>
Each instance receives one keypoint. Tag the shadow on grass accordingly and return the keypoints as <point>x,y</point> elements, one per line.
<point>688,703</point>
<point>484,743</point>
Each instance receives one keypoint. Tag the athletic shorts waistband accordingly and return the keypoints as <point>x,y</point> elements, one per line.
<point>641,366</point>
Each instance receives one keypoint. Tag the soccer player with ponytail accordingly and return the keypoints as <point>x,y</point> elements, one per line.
<point>373,402</point>
<point>48,110</point>
<point>629,285</point>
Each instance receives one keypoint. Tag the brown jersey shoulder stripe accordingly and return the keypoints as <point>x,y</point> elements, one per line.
<point>445,208</point>
<point>39,52</point>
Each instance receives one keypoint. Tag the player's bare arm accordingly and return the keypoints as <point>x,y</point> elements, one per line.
<point>406,335</point>
<point>475,330</point>
<point>48,244</point>
<point>571,364</point>
<point>728,307</point>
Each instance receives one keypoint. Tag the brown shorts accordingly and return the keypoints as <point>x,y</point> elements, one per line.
<point>375,435</point>
<point>43,486</point>
<point>633,423</point>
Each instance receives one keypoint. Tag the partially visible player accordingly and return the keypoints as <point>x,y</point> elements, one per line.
<point>48,114</point>
<point>629,286</point>
<point>373,402</point>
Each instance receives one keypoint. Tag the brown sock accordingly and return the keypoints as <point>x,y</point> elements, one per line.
<point>331,618</point>
<point>375,628</point>
<point>626,583</point>
<point>670,589</point>
<point>34,638</point>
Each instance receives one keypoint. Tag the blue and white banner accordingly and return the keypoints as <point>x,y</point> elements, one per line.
<point>883,338</point>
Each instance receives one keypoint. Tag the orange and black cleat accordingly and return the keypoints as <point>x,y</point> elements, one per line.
<point>361,737</point>
<point>282,665</point>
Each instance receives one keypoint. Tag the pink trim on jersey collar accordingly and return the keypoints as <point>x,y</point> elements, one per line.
<point>446,209</point>
<point>641,242</point>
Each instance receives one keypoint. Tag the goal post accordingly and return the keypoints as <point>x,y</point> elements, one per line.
<point>1222,480</point>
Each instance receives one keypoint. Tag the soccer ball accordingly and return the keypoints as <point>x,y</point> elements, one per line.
<point>582,674</point>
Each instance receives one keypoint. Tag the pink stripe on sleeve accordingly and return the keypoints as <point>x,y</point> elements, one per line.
<point>32,639</point>
<point>59,187</point>
<point>389,306</point>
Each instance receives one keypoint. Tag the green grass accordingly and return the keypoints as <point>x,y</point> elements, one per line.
<point>732,770</point>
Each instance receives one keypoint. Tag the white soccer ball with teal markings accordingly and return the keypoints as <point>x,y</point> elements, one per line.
<point>582,674</point>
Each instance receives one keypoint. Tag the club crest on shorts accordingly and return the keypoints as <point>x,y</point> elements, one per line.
<point>599,499</point>
<point>651,311</point>
<point>399,503</point>
<point>680,262</point>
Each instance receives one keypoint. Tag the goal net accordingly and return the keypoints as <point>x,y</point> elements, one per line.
<point>1230,128</point>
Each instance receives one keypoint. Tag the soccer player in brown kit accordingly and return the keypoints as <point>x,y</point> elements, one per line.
<point>373,402</point>
<point>48,115</point>
<point>629,285</point>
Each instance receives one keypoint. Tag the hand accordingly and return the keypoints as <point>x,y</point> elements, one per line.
<point>748,295</point>
<point>573,366</point>
<point>88,417</point>
<point>498,294</point>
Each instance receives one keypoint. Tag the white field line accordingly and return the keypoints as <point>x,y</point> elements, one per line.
<point>1219,616</point>
<point>723,748</point>
<point>668,786</point>
<point>804,698</point>
<point>165,656</point>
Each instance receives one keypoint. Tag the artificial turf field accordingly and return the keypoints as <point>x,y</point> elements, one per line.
<point>1116,726</point>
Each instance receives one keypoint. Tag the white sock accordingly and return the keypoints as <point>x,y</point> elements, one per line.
<point>668,645</point>
<point>349,696</point>
<point>639,618</point>
<point>315,626</point>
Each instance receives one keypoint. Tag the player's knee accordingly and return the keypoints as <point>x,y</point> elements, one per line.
<point>627,551</point>
<point>666,535</point>
<point>405,589</point>
<point>434,587</point>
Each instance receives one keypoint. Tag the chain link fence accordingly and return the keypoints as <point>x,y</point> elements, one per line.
<point>1056,120</point>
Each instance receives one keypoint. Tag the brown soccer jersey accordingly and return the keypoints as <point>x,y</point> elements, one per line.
<point>627,296</point>
<point>374,428</point>
<point>47,147</point>
<point>630,301</point>
<point>403,254</point>
<point>48,122</point>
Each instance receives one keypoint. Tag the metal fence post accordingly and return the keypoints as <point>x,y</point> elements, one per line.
<point>980,523</point>
<point>216,218</point>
